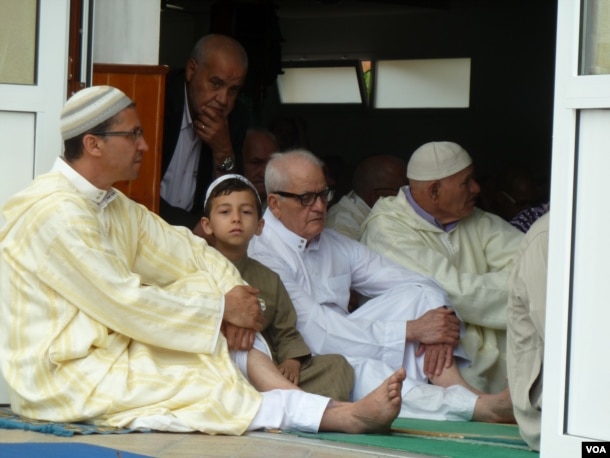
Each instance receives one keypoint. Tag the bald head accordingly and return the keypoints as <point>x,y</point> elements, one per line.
<point>214,74</point>
<point>379,176</point>
<point>212,44</point>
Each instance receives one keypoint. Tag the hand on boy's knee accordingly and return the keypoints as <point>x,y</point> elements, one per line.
<point>291,369</point>
<point>243,309</point>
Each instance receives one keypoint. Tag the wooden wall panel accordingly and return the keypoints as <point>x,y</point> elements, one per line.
<point>145,85</point>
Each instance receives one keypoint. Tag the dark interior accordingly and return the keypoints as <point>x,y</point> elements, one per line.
<point>511,44</point>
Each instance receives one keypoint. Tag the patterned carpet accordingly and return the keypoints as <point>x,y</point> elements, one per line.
<point>439,438</point>
<point>10,420</point>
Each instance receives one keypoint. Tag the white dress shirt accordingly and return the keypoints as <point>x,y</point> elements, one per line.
<point>180,179</point>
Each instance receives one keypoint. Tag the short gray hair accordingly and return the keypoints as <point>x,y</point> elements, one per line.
<point>276,173</point>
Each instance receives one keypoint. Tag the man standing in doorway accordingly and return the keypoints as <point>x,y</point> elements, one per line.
<point>204,126</point>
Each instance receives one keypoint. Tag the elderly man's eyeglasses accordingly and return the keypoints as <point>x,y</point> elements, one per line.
<point>309,198</point>
<point>135,134</point>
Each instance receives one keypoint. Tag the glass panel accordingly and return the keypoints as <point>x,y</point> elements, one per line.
<point>319,85</point>
<point>18,41</point>
<point>595,52</point>
<point>588,402</point>
<point>425,83</point>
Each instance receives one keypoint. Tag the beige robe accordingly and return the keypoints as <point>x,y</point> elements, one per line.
<point>471,262</point>
<point>525,317</point>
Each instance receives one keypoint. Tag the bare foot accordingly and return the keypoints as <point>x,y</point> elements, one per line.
<point>495,408</point>
<point>374,413</point>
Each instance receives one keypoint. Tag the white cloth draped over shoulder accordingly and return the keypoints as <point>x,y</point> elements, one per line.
<point>347,215</point>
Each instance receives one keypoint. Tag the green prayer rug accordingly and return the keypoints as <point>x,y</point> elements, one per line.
<point>451,439</point>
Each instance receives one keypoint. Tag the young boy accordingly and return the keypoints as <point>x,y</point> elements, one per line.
<point>232,215</point>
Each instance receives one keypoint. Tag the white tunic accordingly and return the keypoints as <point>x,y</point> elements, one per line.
<point>318,277</point>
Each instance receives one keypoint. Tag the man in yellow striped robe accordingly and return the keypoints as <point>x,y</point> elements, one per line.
<point>112,316</point>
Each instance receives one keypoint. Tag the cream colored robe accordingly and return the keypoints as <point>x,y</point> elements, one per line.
<point>471,262</point>
<point>525,317</point>
<point>109,314</point>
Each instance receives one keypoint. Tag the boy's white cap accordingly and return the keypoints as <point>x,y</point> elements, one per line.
<point>222,178</point>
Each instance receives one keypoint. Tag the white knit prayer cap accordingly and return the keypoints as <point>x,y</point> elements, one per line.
<point>222,178</point>
<point>437,160</point>
<point>90,107</point>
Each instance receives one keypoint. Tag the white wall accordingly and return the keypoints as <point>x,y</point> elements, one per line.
<point>126,32</point>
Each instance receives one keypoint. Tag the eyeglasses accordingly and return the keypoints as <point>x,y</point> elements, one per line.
<point>136,134</point>
<point>309,198</point>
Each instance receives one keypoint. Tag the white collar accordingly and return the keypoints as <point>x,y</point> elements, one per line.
<point>100,197</point>
<point>296,242</point>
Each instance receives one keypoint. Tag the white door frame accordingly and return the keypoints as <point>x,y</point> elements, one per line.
<point>568,301</point>
<point>30,139</point>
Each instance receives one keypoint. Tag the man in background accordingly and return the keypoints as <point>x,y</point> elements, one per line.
<point>259,145</point>
<point>204,126</point>
<point>375,177</point>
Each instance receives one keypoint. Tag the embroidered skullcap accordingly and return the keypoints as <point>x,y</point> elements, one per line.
<point>90,107</point>
<point>222,178</point>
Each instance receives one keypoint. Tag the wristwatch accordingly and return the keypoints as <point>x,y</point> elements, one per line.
<point>227,165</point>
